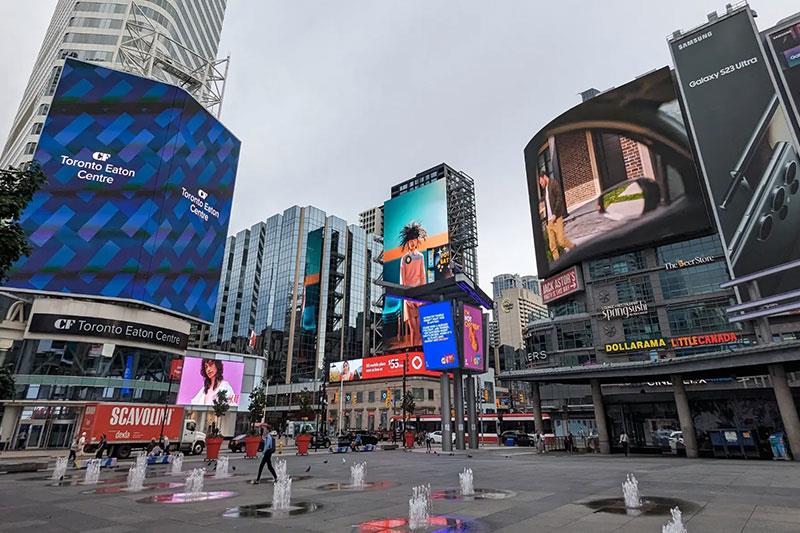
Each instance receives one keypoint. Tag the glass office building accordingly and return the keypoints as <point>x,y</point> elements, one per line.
<point>303,283</point>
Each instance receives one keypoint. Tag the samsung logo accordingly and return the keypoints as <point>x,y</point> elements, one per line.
<point>695,40</point>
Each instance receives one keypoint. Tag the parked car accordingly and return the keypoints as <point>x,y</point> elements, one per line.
<point>437,436</point>
<point>675,441</point>
<point>520,438</point>
<point>320,441</point>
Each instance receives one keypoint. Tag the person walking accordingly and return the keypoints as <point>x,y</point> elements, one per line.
<point>569,443</point>
<point>556,210</point>
<point>101,447</point>
<point>269,449</point>
<point>428,441</point>
<point>623,441</point>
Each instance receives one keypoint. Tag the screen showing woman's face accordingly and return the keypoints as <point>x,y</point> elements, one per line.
<point>211,369</point>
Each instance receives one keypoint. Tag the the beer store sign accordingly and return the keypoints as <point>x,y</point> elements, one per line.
<point>689,341</point>
<point>686,263</point>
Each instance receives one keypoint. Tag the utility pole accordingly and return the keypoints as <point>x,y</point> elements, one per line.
<point>403,404</point>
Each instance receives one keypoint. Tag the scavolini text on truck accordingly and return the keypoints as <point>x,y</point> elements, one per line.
<point>128,427</point>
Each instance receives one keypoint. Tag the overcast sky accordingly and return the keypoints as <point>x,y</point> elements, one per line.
<point>336,101</point>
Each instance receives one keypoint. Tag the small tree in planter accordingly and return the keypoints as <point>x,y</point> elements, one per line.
<point>214,441</point>
<point>258,404</point>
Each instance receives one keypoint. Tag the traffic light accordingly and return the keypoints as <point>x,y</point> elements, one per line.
<point>386,397</point>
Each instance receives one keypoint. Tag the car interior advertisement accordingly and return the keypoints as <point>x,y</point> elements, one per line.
<point>138,197</point>
<point>613,173</point>
<point>751,170</point>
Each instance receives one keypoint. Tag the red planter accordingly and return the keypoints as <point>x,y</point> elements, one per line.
<point>251,443</point>
<point>409,439</point>
<point>302,441</point>
<point>213,445</point>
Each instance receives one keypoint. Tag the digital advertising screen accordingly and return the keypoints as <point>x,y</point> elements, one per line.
<point>614,173</point>
<point>203,379</point>
<point>349,370</point>
<point>473,352</point>
<point>380,367</point>
<point>439,341</point>
<point>416,252</point>
<point>750,169</point>
<point>140,181</point>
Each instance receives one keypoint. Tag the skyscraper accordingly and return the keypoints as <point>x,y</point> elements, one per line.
<point>169,40</point>
<point>372,220</point>
<point>462,220</point>
<point>303,282</point>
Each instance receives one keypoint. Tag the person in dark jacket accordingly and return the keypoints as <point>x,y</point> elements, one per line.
<point>555,211</point>
<point>269,449</point>
<point>101,447</point>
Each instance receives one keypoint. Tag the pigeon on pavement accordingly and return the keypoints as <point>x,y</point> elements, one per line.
<point>308,469</point>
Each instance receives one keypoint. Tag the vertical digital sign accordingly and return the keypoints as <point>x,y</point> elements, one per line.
<point>416,252</point>
<point>438,336</point>
<point>138,197</point>
<point>473,353</point>
<point>745,144</point>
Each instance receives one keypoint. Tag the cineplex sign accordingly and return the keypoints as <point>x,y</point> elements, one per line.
<point>689,341</point>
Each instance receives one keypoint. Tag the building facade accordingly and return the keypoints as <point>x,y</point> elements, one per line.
<point>371,220</point>
<point>462,220</point>
<point>303,283</point>
<point>183,35</point>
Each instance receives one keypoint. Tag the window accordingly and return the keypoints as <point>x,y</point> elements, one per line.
<point>566,307</point>
<point>100,7</point>
<point>360,397</point>
<point>43,109</point>
<point>643,327</point>
<point>634,290</point>
<point>707,317</point>
<point>430,395</point>
<point>621,264</point>
<point>90,38</point>
<point>54,75</point>
<point>371,396</point>
<point>574,335</point>
<point>36,129</point>
<point>419,393</point>
<point>29,149</point>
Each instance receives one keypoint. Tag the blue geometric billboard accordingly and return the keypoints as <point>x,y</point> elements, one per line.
<point>140,181</point>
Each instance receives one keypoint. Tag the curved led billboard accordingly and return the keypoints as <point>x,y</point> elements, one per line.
<point>613,173</point>
<point>203,379</point>
<point>137,202</point>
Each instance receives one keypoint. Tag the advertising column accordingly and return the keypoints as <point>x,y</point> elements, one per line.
<point>745,145</point>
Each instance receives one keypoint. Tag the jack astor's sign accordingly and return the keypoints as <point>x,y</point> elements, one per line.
<point>560,285</point>
<point>689,341</point>
<point>628,309</point>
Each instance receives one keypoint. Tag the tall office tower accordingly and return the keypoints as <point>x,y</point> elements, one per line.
<point>304,282</point>
<point>462,220</point>
<point>372,220</point>
<point>502,282</point>
<point>532,284</point>
<point>170,40</point>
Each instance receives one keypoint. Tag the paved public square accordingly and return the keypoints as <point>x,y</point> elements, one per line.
<point>549,490</point>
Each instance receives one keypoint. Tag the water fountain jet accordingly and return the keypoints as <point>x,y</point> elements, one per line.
<point>630,491</point>
<point>177,463</point>
<point>194,483</point>
<point>419,507</point>
<point>676,524</point>
<point>282,493</point>
<point>222,467</point>
<point>92,472</point>
<point>60,469</point>
<point>136,475</point>
<point>465,481</point>
<point>358,473</point>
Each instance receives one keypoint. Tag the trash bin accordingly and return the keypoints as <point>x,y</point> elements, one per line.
<point>510,441</point>
<point>778,446</point>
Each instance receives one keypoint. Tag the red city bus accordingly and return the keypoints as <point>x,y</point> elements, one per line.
<point>487,427</point>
